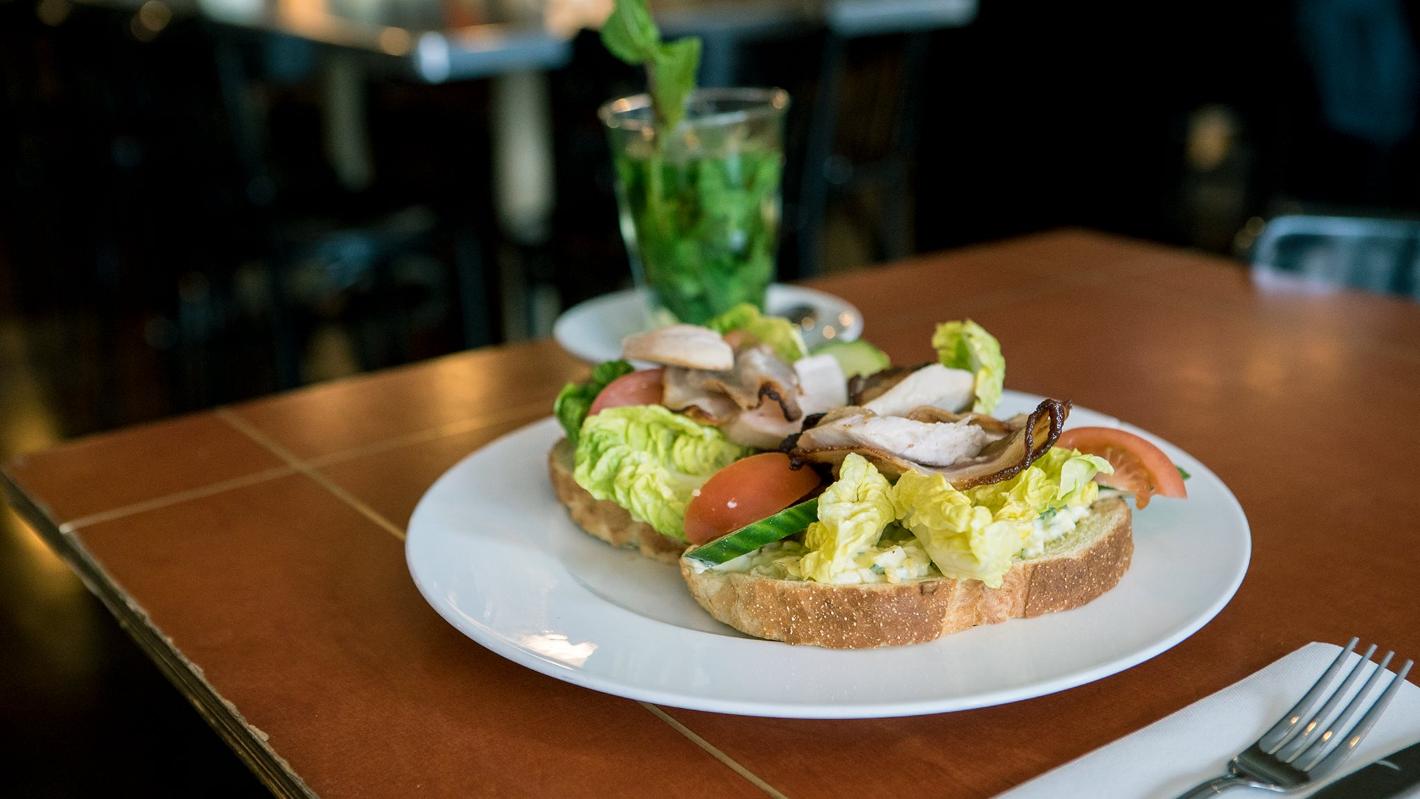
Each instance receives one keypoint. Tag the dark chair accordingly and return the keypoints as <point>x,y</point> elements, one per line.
<point>1380,255</point>
<point>881,136</point>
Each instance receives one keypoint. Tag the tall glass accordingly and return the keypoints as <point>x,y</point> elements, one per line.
<point>700,204</point>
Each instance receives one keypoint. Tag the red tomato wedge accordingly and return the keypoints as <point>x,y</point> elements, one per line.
<point>746,491</point>
<point>1139,466</point>
<point>636,388</point>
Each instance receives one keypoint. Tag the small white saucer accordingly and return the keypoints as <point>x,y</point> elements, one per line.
<point>593,330</point>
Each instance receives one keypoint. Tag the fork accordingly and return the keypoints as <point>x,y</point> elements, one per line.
<point>1292,755</point>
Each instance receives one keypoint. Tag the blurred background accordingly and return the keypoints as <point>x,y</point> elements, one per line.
<point>203,201</point>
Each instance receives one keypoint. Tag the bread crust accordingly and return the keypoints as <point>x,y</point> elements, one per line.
<point>605,519</point>
<point>886,614</point>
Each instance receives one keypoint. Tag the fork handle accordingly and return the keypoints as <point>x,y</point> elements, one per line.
<point>1214,787</point>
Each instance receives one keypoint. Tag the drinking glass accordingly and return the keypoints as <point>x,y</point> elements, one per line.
<point>700,205</point>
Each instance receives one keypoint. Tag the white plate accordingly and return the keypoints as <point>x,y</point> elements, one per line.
<point>593,330</point>
<point>493,552</point>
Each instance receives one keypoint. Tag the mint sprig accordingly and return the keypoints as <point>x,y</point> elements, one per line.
<point>632,36</point>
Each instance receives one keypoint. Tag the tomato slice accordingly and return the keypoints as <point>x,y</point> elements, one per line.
<point>1139,466</point>
<point>746,491</point>
<point>636,388</point>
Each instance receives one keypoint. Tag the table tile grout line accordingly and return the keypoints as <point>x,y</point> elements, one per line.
<point>713,751</point>
<point>166,500</point>
<point>290,467</point>
<point>244,427</point>
<point>429,434</point>
<point>281,452</point>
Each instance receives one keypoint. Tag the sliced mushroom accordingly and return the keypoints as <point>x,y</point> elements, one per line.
<point>681,393</point>
<point>689,346</point>
<point>839,433</point>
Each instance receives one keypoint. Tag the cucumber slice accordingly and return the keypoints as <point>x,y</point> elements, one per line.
<point>753,536</point>
<point>855,357</point>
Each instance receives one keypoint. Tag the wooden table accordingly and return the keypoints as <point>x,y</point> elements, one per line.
<point>256,551</point>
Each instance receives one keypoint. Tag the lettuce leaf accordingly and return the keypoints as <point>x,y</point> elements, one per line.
<point>967,345</point>
<point>964,540</point>
<point>975,533</point>
<point>650,461</point>
<point>852,514</point>
<point>779,333</point>
<point>1059,478</point>
<point>575,399</point>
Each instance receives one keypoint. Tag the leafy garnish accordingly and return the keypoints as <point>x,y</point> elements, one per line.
<point>630,33</point>
<point>575,399</point>
<point>632,36</point>
<point>779,333</point>
<point>1182,472</point>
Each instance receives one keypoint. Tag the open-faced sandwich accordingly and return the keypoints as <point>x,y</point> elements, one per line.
<point>641,443</point>
<point>836,501</point>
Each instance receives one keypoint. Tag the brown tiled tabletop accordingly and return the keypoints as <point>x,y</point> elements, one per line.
<point>256,551</point>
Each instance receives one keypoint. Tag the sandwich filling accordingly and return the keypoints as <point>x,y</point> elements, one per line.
<point>873,531</point>
<point>926,483</point>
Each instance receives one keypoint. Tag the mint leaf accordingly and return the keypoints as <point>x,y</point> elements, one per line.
<point>632,36</point>
<point>1182,473</point>
<point>630,33</point>
<point>672,73</point>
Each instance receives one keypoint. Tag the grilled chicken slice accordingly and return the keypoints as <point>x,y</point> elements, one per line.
<point>934,385</point>
<point>757,375</point>
<point>907,440</point>
<point>821,387</point>
<point>897,446</point>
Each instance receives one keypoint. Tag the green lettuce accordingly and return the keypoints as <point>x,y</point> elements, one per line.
<point>1057,479</point>
<point>650,461</point>
<point>974,534</point>
<point>852,514</point>
<point>967,345</point>
<point>575,399</point>
<point>779,333</point>
<point>964,540</point>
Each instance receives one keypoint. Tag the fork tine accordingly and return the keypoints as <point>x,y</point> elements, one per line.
<point>1279,733</point>
<point>1358,733</point>
<point>1298,742</point>
<point>1323,742</point>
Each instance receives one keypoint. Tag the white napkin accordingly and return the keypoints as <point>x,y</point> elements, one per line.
<point>1179,751</point>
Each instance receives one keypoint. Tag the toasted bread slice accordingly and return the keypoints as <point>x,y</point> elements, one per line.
<point>1075,569</point>
<point>605,519</point>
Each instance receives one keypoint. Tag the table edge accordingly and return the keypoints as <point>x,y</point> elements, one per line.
<point>222,716</point>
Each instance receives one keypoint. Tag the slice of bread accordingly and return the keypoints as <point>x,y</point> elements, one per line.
<point>605,519</point>
<point>1074,569</point>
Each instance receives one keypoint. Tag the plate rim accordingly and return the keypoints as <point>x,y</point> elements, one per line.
<point>499,644</point>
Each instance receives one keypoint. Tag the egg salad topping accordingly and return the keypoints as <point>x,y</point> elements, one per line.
<point>891,562</point>
<point>1049,527</point>
<point>870,530</point>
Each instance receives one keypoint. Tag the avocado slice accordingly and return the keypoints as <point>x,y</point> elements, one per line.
<point>855,357</point>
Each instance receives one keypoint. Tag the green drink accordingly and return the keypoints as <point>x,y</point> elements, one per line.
<point>700,205</point>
